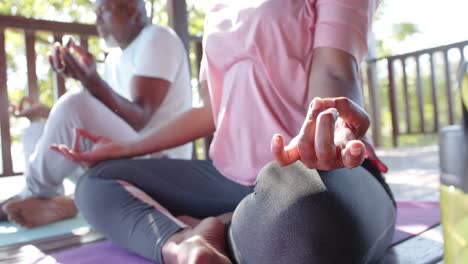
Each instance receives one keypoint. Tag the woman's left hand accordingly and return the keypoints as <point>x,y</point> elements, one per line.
<point>329,138</point>
<point>103,149</point>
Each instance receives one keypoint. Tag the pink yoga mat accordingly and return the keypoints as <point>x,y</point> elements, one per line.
<point>413,219</point>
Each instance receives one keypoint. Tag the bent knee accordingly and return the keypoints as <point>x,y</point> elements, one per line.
<point>100,182</point>
<point>71,102</point>
<point>91,185</point>
<point>317,228</point>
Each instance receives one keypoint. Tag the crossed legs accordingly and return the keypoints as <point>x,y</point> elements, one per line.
<point>295,215</point>
<point>42,201</point>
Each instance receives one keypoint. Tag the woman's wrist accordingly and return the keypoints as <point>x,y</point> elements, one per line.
<point>131,149</point>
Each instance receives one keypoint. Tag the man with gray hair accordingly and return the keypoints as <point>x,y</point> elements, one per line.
<point>146,83</point>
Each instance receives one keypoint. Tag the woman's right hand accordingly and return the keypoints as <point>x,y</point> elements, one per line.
<point>330,138</point>
<point>104,149</point>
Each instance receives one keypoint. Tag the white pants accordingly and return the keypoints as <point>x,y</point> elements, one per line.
<point>45,168</point>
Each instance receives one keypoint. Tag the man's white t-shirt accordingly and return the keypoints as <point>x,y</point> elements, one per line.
<point>157,52</point>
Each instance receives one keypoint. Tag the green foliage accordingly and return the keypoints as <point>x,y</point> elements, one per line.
<point>401,31</point>
<point>383,50</point>
<point>196,17</point>
<point>418,139</point>
<point>58,10</point>
<point>79,11</point>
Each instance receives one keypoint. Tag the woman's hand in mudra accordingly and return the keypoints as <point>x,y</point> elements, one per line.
<point>103,149</point>
<point>329,138</point>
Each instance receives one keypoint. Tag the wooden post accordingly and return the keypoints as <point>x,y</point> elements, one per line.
<point>434,93</point>
<point>30,40</point>
<point>393,102</point>
<point>448,82</point>
<point>151,11</point>
<point>374,94</point>
<point>177,11</point>
<point>419,89</point>
<point>84,42</point>
<point>7,166</point>
<point>198,55</point>
<point>59,82</point>
<point>406,97</point>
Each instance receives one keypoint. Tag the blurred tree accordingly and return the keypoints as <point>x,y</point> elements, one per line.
<point>79,11</point>
<point>403,30</point>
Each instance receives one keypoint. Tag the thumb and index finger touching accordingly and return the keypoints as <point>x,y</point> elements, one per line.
<point>355,118</point>
<point>75,153</point>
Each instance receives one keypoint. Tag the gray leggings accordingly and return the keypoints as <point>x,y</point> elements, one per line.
<point>290,216</point>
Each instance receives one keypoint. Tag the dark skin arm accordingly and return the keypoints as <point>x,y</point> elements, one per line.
<point>335,122</point>
<point>178,131</point>
<point>335,73</point>
<point>147,93</point>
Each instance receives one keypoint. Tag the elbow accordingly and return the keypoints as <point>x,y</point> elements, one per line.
<point>342,76</point>
<point>141,121</point>
<point>146,120</point>
<point>340,84</point>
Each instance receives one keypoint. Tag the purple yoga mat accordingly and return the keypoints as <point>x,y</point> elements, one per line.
<point>413,219</point>
<point>98,253</point>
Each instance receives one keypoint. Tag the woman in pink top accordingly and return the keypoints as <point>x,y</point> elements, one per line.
<point>267,65</point>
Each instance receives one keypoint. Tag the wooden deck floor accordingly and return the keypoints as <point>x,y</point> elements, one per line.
<point>414,175</point>
<point>413,172</point>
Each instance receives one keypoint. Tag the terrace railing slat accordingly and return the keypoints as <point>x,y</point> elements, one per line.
<point>434,93</point>
<point>406,97</point>
<point>59,82</point>
<point>420,99</point>
<point>30,41</point>
<point>448,86</point>
<point>393,102</point>
<point>7,164</point>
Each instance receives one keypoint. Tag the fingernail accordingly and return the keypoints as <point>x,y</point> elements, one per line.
<point>276,141</point>
<point>316,105</point>
<point>335,113</point>
<point>355,151</point>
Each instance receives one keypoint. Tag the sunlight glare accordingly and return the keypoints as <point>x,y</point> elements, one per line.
<point>8,229</point>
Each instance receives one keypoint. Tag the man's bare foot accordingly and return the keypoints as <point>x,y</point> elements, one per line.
<point>3,214</point>
<point>37,211</point>
<point>204,243</point>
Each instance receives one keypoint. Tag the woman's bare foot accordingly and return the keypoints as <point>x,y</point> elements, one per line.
<point>192,221</point>
<point>37,211</point>
<point>225,218</point>
<point>204,243</point>
<point>188,220</point>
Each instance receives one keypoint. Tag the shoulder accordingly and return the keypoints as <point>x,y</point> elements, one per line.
<point>113,55</point>
<point>159,33</point>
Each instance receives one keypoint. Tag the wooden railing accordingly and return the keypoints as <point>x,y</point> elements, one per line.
<point>29,28</point>
<point>409,95</point>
